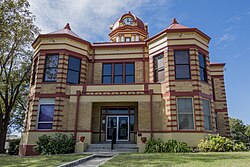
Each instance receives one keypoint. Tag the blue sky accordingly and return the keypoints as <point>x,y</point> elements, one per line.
<point>226,22</point>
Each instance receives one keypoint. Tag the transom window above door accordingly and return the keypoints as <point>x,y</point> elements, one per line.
<point>118,73</point>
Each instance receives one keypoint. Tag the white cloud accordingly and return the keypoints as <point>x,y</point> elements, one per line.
<point>227,38</point>
<point>90,19</point>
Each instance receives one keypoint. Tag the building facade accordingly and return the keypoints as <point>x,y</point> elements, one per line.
<point>162,86</point>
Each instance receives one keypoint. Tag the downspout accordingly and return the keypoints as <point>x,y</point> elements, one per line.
<point>151,112</point>
<point>144,69</point>
<point>93,67</point>
<point>78,94</point>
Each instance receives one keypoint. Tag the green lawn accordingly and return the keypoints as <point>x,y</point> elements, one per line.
<point>235,159</point>
<point>38,161</point>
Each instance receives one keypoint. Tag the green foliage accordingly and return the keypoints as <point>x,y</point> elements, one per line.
<point>14,147</point>
<point>17,32</point>
<point>56,144</point>
<point>220,144</point>
<point>173,146</point>
<point>247,133</point>
<point>238,130</point>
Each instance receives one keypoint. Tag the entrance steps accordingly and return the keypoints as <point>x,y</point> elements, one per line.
<point>133,148</point>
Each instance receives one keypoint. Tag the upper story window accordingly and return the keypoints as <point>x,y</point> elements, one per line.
<point>51,66</point>
<point>202,64</point>
<point>127,39</point>
<point>34,71</point>
<point>185,113</point>
<point>207,114</point>
<point>74,68</point>
<point>182,64</point>
<point>46,113</point>
<point>118,73</point>
<point>159,74</point>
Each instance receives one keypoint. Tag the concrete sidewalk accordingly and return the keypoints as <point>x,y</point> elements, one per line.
<point>95,162</point>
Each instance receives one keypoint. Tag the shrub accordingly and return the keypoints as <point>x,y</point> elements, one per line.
<point>173,146</point>
<point>56,144</point>
<point>220,144</point>
<point>14,147</point>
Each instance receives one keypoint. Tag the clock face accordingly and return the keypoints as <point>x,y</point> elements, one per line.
<point>127,21</point>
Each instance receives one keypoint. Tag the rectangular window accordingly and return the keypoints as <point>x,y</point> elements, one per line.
<point>182,64</point>
<point>202,64</point>
<point>207,114</point>
<point>118,73</point>
<point>50,70</point>
<point>127,39</point>
<point>159,74</point>
<point>74,68</point>
<point>46,113</point>
<point>185,113</point>
<point>34,71</point>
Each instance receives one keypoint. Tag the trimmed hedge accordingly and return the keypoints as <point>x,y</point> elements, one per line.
<point>58,143</point>
<point>220,144</point>
<point>172,146</point>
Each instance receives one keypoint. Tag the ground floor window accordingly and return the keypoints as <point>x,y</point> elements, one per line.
<point>46,113</point>
<point>185,113</point>
<point>207,114</point>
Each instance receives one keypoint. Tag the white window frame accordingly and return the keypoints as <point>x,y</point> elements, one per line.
<point>210,115</point>
<point>44,101</point>
<point>177,115</point>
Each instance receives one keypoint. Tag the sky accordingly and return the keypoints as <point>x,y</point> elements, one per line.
<point>226,22</point>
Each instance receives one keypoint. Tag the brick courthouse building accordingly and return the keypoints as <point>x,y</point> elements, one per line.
<point>162,87</point>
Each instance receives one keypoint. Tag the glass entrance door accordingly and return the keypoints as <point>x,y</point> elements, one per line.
<point>118,126</point>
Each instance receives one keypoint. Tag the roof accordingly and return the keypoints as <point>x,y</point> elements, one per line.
<point>176,27</point>
<point>66,30</point>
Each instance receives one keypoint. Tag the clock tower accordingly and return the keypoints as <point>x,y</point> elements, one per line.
<point>128,28</point>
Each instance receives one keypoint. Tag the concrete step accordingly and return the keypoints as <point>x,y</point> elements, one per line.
<point>117,148</point>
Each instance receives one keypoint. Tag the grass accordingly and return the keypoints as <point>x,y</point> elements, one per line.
<point>38,161</point>
<point>229,159</point>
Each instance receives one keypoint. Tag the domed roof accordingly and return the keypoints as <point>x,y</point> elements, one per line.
<point>137,22</point>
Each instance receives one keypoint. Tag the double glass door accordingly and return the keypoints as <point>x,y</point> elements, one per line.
<point>117,126</point>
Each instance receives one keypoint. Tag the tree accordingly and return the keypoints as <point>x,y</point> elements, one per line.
<point>238,129</point>
<point>17,32</point>
<point>247,133</point>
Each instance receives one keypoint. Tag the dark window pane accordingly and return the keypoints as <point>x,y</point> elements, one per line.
<point>159,68</point>
<point>117,111</point>
<point>73,77</point>
<point>107,69</point>
<point>130,69</point>
<point>74,64</point>
<point>160,63</point>
<point>51,60</point>
<point>131,122</point>
<point>50,74</point>
<point>34,72</point>
<point>132,110</point>
<point>118,69</point>
<point>182,71</point>
<point>118,79</point>
<point>181,57</point>
<point>186,121</point>
<point>185,105</point>
<point>203,76</point>
<point>44,126</point>
<point>130,79</point>
<point>202,60</point>
<point>107,79</point>
<point>207,122</point>
<point>46,113</point>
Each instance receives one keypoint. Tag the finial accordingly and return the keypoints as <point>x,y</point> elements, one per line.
<point>129,12</point>
<point>67,26</point>
<point>174,21</point>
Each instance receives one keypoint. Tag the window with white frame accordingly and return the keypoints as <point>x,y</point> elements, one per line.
<point>185,113</point>
<point>46,113</point>
<point>207,114</point>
